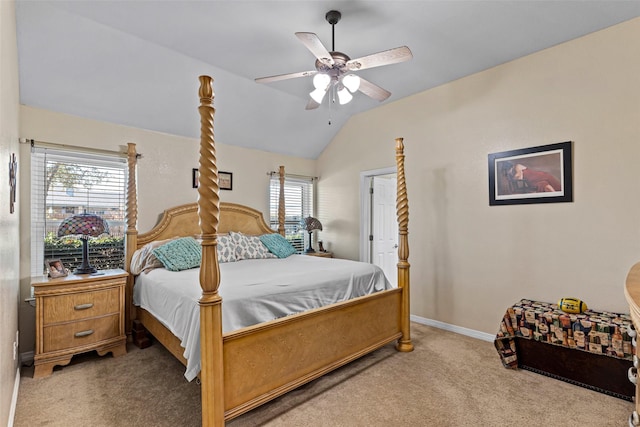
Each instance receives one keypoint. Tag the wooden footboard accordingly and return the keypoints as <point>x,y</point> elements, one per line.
<point>265,361</point>
<point>270,359</point>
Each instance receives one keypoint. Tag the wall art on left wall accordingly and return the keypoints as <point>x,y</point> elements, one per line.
<point>13,170</point>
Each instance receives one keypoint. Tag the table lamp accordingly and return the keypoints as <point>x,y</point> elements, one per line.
<point>310,224</point>
<point>84,226</point>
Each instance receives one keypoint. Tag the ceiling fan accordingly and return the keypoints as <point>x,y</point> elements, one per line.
<point>334,70</point>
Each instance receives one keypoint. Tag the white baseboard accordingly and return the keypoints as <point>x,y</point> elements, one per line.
<point>453,328</point>
<point>14,399</point>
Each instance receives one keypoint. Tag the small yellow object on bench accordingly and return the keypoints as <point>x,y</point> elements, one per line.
<point>572,305</point>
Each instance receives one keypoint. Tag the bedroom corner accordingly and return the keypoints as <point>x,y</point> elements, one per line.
<point>9,220</point>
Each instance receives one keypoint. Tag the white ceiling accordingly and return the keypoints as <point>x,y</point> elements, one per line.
<point>136,63</point>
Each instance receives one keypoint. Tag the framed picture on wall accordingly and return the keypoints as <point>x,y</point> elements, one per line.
<point>195,178</point>
<point>225,179</point>
<point>531,175</point>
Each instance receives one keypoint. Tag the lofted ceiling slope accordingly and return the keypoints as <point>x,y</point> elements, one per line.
<point>136,63</point>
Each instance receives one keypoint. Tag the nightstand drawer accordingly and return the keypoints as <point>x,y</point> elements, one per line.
<point>63,308</point>
<point>69,335</point>
<point>76,314</point>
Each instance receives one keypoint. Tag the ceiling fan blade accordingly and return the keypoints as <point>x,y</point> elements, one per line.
<point>373,91</point>
<point>391,56</point>
<point>285,76</point>
<point>311,105</point>
<point>313,43</point>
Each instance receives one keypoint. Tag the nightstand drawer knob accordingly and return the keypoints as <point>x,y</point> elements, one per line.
<point>83,306</point>
<point>83,333</point>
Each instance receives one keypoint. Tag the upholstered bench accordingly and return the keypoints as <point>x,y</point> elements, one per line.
<point>591,349</point>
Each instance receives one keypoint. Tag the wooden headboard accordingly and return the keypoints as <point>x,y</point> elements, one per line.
<point>183,221</point>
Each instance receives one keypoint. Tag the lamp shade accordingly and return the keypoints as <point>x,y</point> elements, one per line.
<point>83,225</point>
<point>344,97</point>
<point>318,95</point>
<point>351,82</point>
<point>321,81</point>
<point>310,223</point>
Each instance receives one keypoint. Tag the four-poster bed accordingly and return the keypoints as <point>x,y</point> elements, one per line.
<point>245,368</point>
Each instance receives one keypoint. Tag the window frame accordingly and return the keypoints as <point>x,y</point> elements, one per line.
<point>106,197</point>
<point>300,203</point>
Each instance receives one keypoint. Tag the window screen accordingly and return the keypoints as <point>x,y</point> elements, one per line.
<point>64,183</point>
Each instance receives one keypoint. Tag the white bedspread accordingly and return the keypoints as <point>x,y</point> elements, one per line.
<point>253,291</point>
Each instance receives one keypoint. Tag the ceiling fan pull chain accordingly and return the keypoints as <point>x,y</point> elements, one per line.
<point>331,101</point>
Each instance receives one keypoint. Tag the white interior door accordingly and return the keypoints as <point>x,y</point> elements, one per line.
<point>384,227</point>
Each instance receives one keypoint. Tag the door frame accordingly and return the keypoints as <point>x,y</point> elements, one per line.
<point>365,208</point>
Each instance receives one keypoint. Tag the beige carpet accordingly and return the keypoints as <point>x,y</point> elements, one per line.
<point>449,380</point>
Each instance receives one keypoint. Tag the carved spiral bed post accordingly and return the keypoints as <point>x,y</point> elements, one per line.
<point>131,236</point>
<point>212,370</point>
<point>402,209</point>
<point>281,216</point>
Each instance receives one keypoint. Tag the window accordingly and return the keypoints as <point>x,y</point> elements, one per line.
<point>298,202</point>
<point>64,183</point>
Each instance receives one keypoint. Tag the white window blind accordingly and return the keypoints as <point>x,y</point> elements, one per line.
<point>298,201</point>
<point>64,183</point>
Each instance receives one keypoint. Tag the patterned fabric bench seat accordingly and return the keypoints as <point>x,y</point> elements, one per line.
<point>591,349</point>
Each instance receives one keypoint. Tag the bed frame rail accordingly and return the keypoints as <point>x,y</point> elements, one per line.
<point>273,358</point>
<point>249,367</point>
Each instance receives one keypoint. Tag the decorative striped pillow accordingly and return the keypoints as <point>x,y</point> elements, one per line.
<point>249,247</point>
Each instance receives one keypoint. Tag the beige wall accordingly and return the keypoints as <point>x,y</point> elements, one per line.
<point>164,174</point>
<point>9,238</point>
<point>471,261</point>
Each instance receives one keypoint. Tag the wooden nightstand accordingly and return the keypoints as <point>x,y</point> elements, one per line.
<point>76,314</point>
<point>321,254</point>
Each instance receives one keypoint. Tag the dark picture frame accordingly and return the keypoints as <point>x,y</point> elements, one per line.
<point>225,179</point>
<point>55,268</point>
<point>541,174</point>
<point>195,178</point>
<point>13,168</point>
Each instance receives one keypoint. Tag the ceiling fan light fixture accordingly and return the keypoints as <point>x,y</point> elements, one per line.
<point>318,95</point>
<point>333,69</point>
<point>321,81</point>
<point>344,97</point>
<point>351,82</point>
